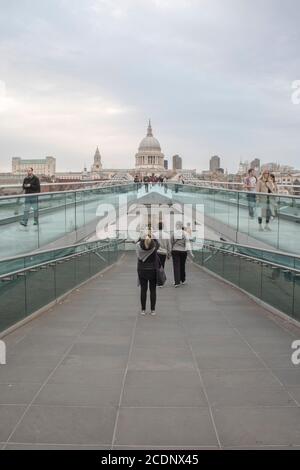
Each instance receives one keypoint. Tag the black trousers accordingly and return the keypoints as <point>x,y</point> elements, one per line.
<point>162,259</point>
<point>144,287</point>
<point>179,260</point>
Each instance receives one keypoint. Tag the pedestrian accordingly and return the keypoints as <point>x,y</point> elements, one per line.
<point>146,182</point>
<point>165,185</point>
<point>31,186</point>
<point>264,185</point>
<point>146,249</point>
<point>180,248</point>
<point>163,238</point>
<point>250,185</point>
<point>189,230</point>
<point>273,200</point>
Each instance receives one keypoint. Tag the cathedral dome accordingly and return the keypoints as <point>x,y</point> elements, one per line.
<point>149,157</point>
<point>149,142</point>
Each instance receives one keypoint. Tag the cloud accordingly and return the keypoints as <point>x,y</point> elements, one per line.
<point>214,75</point>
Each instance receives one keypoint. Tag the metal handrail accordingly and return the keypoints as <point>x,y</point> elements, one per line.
<point>64,247</point>
<point>67,183</point>
<point>251,247</point>
<point>22,271</point>
<point>69,191</point>
<point>235,183</point>
<point>132,183</point>
<point>75,245</point>
<point>254,259</point>
<point>235,190</point>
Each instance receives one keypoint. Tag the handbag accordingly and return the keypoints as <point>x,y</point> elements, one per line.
<point>160,272</point>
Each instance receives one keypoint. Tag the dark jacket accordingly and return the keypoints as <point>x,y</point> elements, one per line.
<point>34,185</point>
<point>147,264</point>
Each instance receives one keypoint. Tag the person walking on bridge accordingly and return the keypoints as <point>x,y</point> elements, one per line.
<point>266,185</point>
<point>250,186</point>
<point>146,249</point>
<point>31,185</point>
<point>163,238</point>
<point>180,244</point>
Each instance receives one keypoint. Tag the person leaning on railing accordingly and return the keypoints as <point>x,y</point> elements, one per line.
<point>266,185</point>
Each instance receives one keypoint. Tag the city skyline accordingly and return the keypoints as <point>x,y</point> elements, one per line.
<point>69,92</point>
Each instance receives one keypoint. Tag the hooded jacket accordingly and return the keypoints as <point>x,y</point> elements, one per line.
<point>146,257</point>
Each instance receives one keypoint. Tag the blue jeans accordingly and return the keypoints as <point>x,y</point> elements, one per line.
<point>31,202</point>
<point>251,204</point>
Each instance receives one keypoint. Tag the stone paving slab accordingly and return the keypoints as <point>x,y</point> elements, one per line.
<point>211,370</point>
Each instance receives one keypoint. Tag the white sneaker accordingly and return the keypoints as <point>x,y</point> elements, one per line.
<point>153,313</point>
<point>183,283</point>
<point>268,228</point>
<point>143,312</point>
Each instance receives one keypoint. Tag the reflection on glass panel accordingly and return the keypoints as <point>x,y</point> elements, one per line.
<point>65,212</point>
<point>279,258</point>
<point>40,288</point>
<point>250,277</point>
<point>233,208</point>
<point>65,276</point>
<point>12,298</point>
<point>289,224</point>
<point>98,261</point>
<point>52,217</point>
<point>198,256</point>
<point>277,288</point>
<point>296,306</point>
<point>82,267</point>
<point>297,263</point>
<point>232,268</point>
<point>70,212</point>
<point>214,261</point>
<point>276,285</point>
<point>18,233</point>
<point>247,217</point>
<point>10,266</point>
<point>79,203</point>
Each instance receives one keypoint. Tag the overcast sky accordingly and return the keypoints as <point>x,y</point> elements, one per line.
<point>215,76</point>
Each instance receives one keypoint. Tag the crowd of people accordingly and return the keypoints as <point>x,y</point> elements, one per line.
<point>150,179</point>
<point>261,206</point>
<point>153,249</point>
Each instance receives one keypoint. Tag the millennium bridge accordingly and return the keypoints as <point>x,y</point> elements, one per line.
<point>216,368</point>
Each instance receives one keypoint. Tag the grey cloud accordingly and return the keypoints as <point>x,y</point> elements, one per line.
<point>214,75</point>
